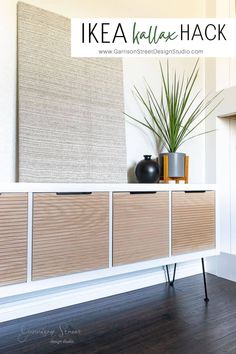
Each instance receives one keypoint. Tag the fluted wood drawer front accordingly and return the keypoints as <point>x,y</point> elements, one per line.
<point>140,227</point>
<point>13,238</point>
<point>193,222</point>
<point>70,233</point>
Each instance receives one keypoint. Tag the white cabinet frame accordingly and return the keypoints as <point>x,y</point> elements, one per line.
<point>38,285</point>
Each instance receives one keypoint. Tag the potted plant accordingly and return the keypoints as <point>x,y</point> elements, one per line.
<point>175,115</point>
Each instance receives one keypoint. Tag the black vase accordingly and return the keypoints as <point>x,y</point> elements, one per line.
<point>147,170</point>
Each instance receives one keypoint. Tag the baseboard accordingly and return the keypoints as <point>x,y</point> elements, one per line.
<point>22,306</point>
<point>223,266</point>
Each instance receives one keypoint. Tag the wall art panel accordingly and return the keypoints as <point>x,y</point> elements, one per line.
<point>71,125</point>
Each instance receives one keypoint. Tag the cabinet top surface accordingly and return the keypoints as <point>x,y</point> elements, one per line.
<point>91,187</point>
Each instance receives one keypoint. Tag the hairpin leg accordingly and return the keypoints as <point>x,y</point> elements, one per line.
<point>204,280</point>
<point>168,275</point>
<point>171,283</point>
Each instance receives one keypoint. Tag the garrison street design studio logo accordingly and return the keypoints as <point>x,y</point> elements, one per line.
<point>64,333</point>
<point>153,37</point>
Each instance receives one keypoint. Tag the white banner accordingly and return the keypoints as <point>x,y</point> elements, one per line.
<point>120,37</point>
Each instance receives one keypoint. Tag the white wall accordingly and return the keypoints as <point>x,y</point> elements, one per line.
<point>226,170</point>
<point>7,90</point>
<point>225,151</point>
<point>221,149</point>
<point>138,142</point>
<point>232,163</point>
<point>225,67</point>
<point>121,8</point>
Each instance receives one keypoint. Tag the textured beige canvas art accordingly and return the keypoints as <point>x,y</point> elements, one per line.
<point>71,125</point>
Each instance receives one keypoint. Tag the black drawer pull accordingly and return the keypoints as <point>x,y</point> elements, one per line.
<point>194,191</point>
<point>74,193</point>
<point>143,192</point>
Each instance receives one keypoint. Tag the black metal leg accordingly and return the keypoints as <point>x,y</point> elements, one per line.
<point>173,280</point>
<point>168,275</point>
<point>171,283</point>
<point>204,279</point>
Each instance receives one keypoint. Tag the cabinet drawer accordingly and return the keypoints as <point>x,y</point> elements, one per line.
<point>140,227</point>
<point>13,238</point>
<point>193,222</point>
<point>70,233</point>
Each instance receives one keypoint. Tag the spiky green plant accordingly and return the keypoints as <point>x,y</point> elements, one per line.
<point>178,112</point>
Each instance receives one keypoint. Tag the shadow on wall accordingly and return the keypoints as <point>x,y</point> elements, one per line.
<point>131,174</point>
